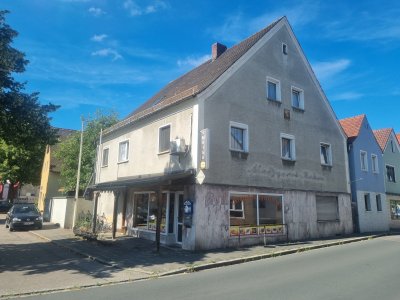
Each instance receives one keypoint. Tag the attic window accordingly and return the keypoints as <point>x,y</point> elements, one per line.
<point>284,49</point>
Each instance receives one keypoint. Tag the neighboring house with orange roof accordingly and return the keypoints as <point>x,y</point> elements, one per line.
<point>391,156</point>
<point>367,176</point>
<point>51,183</point>
<point>245,144</point>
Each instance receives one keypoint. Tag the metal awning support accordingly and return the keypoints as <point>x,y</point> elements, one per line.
<point>158,220</point>
<point>94,218</point>
<point>115,211</point>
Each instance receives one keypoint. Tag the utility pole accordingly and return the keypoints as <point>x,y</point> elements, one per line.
<point>78,174</point>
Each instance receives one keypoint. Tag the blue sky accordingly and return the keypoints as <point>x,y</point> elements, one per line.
<point>114,54</point>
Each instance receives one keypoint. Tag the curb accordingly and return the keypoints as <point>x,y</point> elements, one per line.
<point>236,261</point>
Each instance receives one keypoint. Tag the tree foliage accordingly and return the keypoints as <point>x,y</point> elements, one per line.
<point>68,151</point>
<point>24,123</point>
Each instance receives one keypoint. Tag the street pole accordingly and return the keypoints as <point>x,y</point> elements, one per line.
<point>78,174</point>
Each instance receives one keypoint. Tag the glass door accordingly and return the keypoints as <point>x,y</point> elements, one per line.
<point>179,217</point>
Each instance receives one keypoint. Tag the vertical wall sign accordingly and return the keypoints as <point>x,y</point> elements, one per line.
<point>204,148</point>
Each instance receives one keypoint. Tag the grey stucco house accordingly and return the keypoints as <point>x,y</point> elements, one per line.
<point>248,139</point>
<point>390,148</point>
<point>367,176</point>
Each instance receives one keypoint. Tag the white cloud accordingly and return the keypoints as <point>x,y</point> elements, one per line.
<point>347,96</point>
<point>328,69</point>
<point>192,61</point>
<point>107,52</point>
<point>95,11</point>
<point>136,10</point>
<point>98,37</point>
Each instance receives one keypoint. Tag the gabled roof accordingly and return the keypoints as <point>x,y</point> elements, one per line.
<point>382,137</point>
<point>193,82</point>
<point>351,126</point>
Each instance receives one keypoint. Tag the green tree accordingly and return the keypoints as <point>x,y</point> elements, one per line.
<point>68,151</point>
<point>24,123</point>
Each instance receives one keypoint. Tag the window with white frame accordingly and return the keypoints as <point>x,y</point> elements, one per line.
<point>288,148</point>
<point>390,174</point>
<point>123,151</point>
<point>255,209</point>
<point>363,160</point>
<point>297,98</point>
<point>326,154</point>
<point>104,162</point>
<point>392,145</point>
<point>327,208</point>
<point>236,207</point>
<point>378,202</point>
<point>273,89</point>
<point>374,163</point>
<point>238,137</point>
<point>367,202</point>
<point>164,138</point>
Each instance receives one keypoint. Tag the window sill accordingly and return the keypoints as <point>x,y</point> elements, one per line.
<point>364,170</point>
<point>163,152</point>
<point>288,159</point>
<point>276,101</point>
<point>123,162</point>
<point>328,221</point>
<point>298,109</point>
<point>239,154</point>
<point>326,167</point>
<point>104,166</point>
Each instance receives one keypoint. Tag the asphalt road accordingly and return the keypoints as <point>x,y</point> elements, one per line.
<point>28,263</point>
<point>363,270</point>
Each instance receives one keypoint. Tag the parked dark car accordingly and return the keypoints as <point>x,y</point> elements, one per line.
<point>23,215</point>
<point>5,205</point>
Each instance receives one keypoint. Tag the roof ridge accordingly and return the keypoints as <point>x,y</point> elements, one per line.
<point>195,80</point>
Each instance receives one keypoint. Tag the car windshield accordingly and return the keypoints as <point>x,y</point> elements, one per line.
<point>24,209</point>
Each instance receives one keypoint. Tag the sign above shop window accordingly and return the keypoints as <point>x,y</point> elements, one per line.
<point>204,148</point>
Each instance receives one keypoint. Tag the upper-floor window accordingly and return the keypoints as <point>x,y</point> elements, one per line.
<point>104,162</point>
<point>123,151</point>
<point>363,160</point>
<point>164,138</point>
<point>391,176</point>
<point>367,202</point>
<point>288,148</point>
<point>378,202</point>
<point>374,163</point>
<point>238,137</point>
<point>326,154</point>
<point>273,89</point>
<point>297,98</point>
<point>392,145</point>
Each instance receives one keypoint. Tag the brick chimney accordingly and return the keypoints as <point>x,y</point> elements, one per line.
<point>216,50</point>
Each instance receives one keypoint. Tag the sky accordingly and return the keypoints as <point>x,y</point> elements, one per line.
<point>112,55</point>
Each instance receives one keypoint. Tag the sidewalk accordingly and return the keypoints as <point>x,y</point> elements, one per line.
<point>139,255</point>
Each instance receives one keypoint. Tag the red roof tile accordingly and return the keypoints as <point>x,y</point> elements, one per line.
<point>382,136</point>
<point>351,126</point>
<point>193,82</point>
<point>398,137</point>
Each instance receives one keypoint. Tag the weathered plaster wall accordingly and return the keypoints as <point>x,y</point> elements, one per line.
<point>144,157</point>
<point>242,98</point>
<point>212,216</point>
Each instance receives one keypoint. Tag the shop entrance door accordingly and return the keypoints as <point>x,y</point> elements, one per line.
<point>179,217</point>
